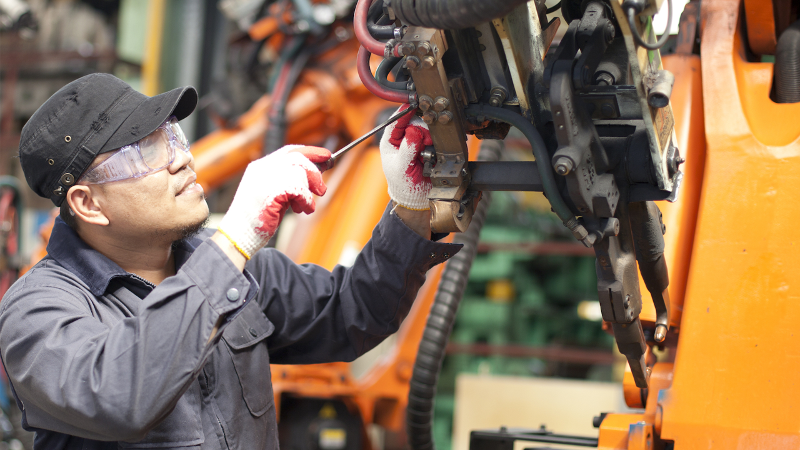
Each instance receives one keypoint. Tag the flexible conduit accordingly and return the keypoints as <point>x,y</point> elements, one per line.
<point>451,14</point>
<point>787,65</point>
<point>419,413</point>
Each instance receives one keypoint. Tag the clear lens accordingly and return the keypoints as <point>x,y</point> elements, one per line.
<point>150,154</point>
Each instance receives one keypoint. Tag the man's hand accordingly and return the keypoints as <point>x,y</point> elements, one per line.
<point>270,185</point>
<point>401,147</point>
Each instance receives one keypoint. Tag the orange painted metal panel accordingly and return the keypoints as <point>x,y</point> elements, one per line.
<point>734,381</point>
<point>761,26</point>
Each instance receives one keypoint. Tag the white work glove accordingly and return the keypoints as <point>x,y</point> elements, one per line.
<point>270,185</point>
<point>401,147</point>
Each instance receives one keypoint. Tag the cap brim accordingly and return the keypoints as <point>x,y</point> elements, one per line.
<point>150,114</point>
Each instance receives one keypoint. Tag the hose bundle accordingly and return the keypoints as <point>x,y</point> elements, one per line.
<point>451,14</point>
<point>419,413</point>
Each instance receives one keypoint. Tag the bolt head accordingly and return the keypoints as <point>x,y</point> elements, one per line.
<point>429,117</point>
<point>445,117</point>
<point>441,104</point>
<point>428,62</point>
<point>412,62</point>
<point>425,103</point>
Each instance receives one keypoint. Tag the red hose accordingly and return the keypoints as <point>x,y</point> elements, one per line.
<point>373,45</point>
<point>365,73</point>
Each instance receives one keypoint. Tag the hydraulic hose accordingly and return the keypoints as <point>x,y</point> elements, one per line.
<point>539,151</point>
<point>372,45</point>
<point>419,413</point>
<point>365,73</point>
<point>378,24</point>
<point>451,14</point>
<point>787,65</point>
<point>382,74</point>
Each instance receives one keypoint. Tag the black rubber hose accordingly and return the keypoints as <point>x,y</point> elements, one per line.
<point>539,152</point>
<point>378,24</point>
<point>639,40</point>
<point>787,65</point>
<point>451,14</point>
<point>382,74</point>
<point>419,413</point>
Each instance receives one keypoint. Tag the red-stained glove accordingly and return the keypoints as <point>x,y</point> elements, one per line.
<point>270,185</point>
<point>401,147</point>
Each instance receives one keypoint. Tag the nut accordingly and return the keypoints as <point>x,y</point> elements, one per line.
<point>425,102</point>
<point>441,103</point>
<point>429,117</point>
<point>445,117</point>
<point>564,166</point>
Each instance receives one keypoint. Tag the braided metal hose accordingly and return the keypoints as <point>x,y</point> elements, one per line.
<point>419,413</point>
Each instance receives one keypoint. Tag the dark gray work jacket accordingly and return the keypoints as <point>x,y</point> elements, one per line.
<point>99,358</point>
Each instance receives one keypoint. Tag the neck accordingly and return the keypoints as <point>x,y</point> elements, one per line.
<point>154,261</point>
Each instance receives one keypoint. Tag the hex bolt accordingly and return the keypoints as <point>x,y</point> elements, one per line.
<point>407,48</point>
<point>412,62</point>
<point>428,62</point>
<point>424,48</point>
<point>441,103</point>
<point>627,302</point>
<point>425,102</point>
<point>661,332</point>
<point>498,95</point>
<point>604,79</point>
<point>564,166</point>
<point>445,117</point>
<point>429,117</point>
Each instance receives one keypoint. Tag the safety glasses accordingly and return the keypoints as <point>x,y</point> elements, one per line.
<point>150,154</point>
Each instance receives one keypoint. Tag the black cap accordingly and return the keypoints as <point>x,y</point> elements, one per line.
<point>94,114</point>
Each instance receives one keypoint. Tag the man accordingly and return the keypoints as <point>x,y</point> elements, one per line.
<point>135,333</point>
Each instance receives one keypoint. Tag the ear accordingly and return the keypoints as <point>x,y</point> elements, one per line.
<point>84,202</point>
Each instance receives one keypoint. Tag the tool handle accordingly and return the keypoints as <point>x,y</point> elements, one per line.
<point>327,165</point>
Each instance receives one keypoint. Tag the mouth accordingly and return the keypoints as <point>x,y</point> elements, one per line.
<point>190,186</point>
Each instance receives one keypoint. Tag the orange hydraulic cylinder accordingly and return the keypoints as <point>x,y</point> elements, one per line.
<point>734,384</point>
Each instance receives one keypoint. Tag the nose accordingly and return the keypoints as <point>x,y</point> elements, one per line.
<point>182,159</point>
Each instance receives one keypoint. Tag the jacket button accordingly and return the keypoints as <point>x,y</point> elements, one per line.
<point>433,255</point>
<point>232,294</point>
<point>446,255</point>
<point>253,332</point>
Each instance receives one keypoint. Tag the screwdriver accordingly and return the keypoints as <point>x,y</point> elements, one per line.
<point>329,163</point>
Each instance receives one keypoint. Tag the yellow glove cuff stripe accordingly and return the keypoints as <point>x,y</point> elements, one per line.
<point>240,249</point>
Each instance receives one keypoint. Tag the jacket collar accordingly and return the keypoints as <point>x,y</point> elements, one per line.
<point>91,266</point>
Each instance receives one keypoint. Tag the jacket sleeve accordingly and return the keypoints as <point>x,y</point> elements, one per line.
<point>116,379</point>
<point>324,316</point>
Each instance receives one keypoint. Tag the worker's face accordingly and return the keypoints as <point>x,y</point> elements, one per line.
<point>162,206</point>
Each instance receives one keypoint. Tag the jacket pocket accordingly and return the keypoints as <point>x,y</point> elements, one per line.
<point>244,337</point>
<point>181,428</point>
